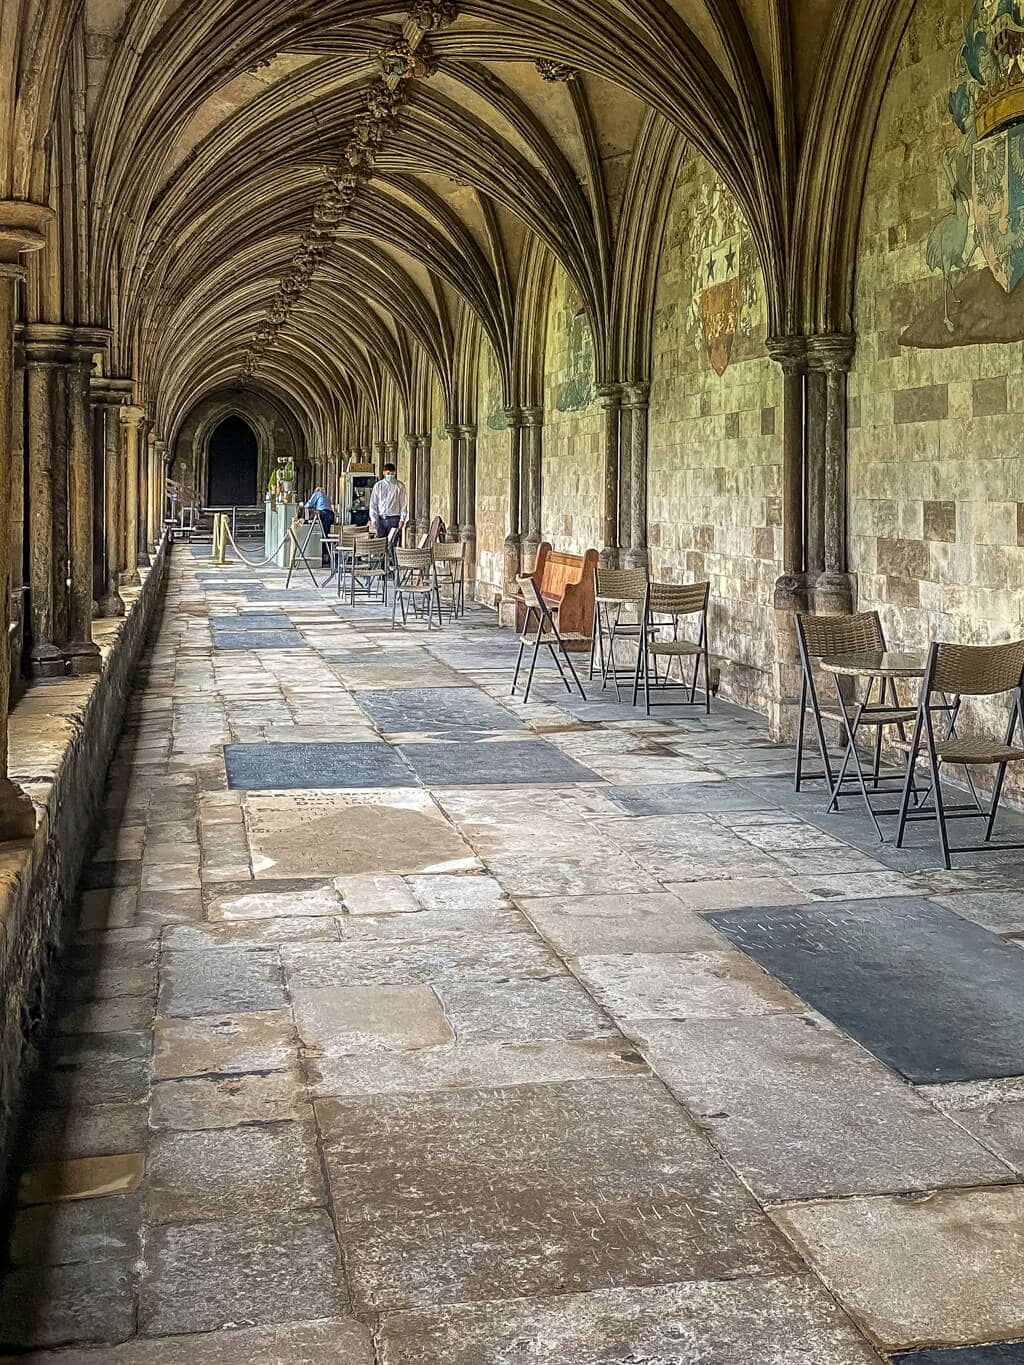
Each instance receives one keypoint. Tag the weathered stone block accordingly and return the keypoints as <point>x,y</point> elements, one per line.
<point>928,403</point>
<point>940,521</point>
<point>902,558</point>
<point>990,396</point>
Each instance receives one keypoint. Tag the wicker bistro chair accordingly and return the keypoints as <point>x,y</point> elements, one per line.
<point>540,632</point>
<point>450,561</point>
<point>668,604</point>
<point>618,593</point>
<point>965,671</point>
<point>342,547</point>
<point>821,637</point>
<point>416,585</point>
<point>369,569</point>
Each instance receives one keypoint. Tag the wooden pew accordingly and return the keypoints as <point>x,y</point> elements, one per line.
<point>566,583</point>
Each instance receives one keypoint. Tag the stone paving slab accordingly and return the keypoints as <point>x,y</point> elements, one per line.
<point>945,1269</point>
<point>702,985</point>
<point>460,711</point>
<point>311,767</point>
<point>1012,1354</point>
<point>525,763</point>
<point>338,1342</point>
<point>801,1112</point>
<point>658,923</point>
<point>248,1271</point>
<point>258,640</point>
<point>772,1320</point>
<point>531,1190</point>
<point>684,798</point>
<point>312,834</point>
<point>930,994</point>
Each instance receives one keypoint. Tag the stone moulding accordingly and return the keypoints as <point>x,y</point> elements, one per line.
<point>64,771</point>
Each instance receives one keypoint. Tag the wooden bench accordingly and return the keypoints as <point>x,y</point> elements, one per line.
<point>566,583</point>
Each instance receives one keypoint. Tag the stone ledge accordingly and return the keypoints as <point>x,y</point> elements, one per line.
<point>62,738</point>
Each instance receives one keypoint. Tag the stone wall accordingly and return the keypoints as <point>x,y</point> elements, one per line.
<point>715,438</point>
<point>573,480</point>
<point>62,737</point>
<point>936,480</point>
<point>491,481</point>
<point>275,436</point>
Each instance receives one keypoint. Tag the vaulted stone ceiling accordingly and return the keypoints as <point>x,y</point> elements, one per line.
<point>327,198</point>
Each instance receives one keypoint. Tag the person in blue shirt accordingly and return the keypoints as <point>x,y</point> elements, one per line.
<point>319,503</point>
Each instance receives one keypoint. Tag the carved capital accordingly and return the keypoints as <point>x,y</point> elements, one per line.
<point>789,352</point>
<point>831,352</point>
<point>22,228</point>
<point>515,416</point>
<point>636,395</point>
<point>610,395</point>
<point>533,416</point>
<point>132,417</point>
<point>468,433</point>
<point>48,343</point>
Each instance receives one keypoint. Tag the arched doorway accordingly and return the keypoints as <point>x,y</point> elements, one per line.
<point>232,465</point>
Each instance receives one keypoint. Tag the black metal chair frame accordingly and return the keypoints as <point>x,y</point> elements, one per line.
<point>446,570</point>
<point>370,566</point>
<point>609,626</point>
<point>416,579</point>
<point>700,654</point>
<point>924,737</point>
<point>547,636</point>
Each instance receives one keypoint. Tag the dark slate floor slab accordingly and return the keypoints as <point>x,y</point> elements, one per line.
<point>258,639</point>
<point>300,767</point>
<point>684,798</point>
<point>527,763</point>
<point>1011,1354</point>
<point>454,711</point>
<point>930,994</point>
<point>252,620</point>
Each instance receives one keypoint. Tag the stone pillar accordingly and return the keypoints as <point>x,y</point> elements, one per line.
<point>81,650</point>
<point>533,488</point>
<point>467,529</point>
<point>412,527</point>
<point>46,355</point>
<point>22,227</point>
<point>160,490</point>
<point>131,419</point>
<point>142,507</point>
<point>611,400</point>
<point>831,356</point>
<point>791,586</point>
<point>637,398</point>
<point>111,603</point>
<point>18,588</point>
<point>380,456</point>
<point>423,486</point>
<point>513,540</point>
<point>455,481</point>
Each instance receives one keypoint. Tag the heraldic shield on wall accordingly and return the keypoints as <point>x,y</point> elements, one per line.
<point>978,246</point>
<point>725,291</point>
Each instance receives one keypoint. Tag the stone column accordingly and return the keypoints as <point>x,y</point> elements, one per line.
<point>611,400</point>
<point>533,488</point>
<point>513,540</point>
<point>22,228</point>
<point>18,587</point>
<point>637,398</point>
<point>423,490</point>
<point>467,529</point>
<point>380,456</point>
<point>111,603</point>
<point>791,586</point>
<point>412,526</point>
<point>132,418</point>
<point>81,650</point>
<point>832,355</point>
<point>46,353</point>
<point>455,480</point>
<point>142,534</point>
<point>160,490</point>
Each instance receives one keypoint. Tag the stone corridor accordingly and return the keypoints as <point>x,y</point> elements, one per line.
<point>404,1024</point>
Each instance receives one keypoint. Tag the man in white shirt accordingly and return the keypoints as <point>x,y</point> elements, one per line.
<point>389,503</point>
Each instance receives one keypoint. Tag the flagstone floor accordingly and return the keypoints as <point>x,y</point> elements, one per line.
<point>404,1024</point>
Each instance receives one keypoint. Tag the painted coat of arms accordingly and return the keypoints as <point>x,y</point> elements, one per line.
<point>723,298</point>
<point>984,225</point>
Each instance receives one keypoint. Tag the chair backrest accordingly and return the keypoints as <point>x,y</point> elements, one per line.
<point>621,585</point>
<point>349,533</point>
<point>678,599</point>
<point>532,597</point>
<point>823,636</point>
<point>408,560</point>
<point>370,545</point>
<point>975,670</point>
<point>448,551</point>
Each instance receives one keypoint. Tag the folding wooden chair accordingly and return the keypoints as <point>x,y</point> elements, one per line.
<point>540,632</point>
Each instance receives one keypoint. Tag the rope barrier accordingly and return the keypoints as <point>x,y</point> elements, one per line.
<point>256,563</point>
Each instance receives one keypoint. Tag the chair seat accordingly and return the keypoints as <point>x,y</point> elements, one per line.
<point>549,639</point>
<point>674,647</point>
<point>887,715</point>
<point>977,751</point>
